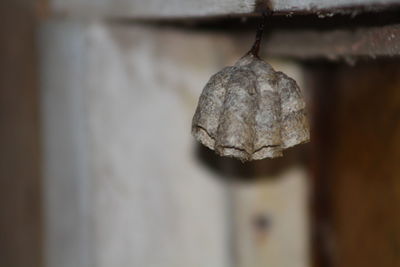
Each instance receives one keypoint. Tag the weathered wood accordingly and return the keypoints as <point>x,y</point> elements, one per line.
<point>271,221</point>
<point>20,177</point>
<point>357,152</point>
<point>123,184</point>
<point>190,8</point>
<point>154,203</point>
<point>335,44</point>
<point>66,193</point>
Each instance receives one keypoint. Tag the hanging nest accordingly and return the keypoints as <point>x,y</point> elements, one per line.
<point>250,111</point>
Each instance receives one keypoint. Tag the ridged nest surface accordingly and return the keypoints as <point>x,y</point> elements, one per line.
<point>250,111</point>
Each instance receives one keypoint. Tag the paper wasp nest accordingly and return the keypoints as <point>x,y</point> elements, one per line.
<point>250,111</point>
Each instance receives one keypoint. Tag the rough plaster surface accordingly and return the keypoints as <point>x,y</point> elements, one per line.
<point>250,111</point>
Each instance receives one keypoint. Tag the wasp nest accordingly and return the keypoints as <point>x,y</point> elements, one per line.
<point>250,111</point>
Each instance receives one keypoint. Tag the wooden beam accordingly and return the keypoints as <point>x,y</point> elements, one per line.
<point>335,44</point>
<point>204,8</point>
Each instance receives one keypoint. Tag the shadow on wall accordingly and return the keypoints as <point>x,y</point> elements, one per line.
<point>233,169</point>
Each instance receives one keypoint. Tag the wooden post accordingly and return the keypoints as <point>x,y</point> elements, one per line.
<point>357,173</point>
<point>20,180</point>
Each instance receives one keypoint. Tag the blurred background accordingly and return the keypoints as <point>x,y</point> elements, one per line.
<point>98,166</point>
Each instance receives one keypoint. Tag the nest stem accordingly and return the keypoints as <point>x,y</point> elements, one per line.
<point>260,30</point>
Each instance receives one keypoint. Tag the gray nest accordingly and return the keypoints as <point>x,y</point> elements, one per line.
<point>250,111</point>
